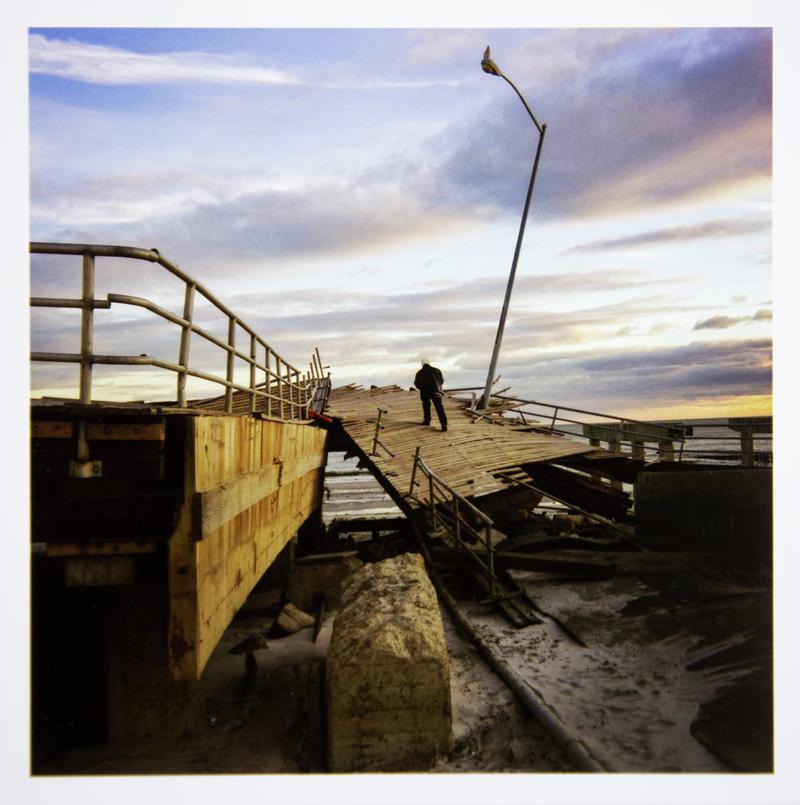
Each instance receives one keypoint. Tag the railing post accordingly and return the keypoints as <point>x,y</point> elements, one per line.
<point>414,471</point>
<point>186,334</point>
<point>252,374</point>
<point>229,369</point>
<point>553,421</point>
<point>279,386</point>
<point>377,433</point>
<point>288,390</point>
<point>268,378</point>
<point>87,329</point>
<point>296,393</point>
<point>747,447</point>
<point>615,447</point>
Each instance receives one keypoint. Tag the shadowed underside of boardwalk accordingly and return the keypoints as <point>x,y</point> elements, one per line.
<point>466,457</point>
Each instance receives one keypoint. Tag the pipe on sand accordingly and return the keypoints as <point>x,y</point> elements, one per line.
<point>572,747</point>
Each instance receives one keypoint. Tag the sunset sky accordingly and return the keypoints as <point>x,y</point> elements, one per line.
<point>360,191</point>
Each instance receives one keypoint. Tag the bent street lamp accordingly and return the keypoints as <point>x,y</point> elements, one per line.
<point>490,67</point>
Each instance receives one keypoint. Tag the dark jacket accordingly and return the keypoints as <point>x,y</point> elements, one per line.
<point>429,380</point>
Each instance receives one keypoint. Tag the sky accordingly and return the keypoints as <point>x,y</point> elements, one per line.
<point>360,191</point>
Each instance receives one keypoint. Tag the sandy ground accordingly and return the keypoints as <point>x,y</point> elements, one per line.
<point>492,731</point>
<point>273,722</point>
<point>629,687</point>
<point>631,709</point>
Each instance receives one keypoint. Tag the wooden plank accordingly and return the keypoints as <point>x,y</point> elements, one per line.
<point>249,518</point>
<point>217,506</point>
<point>57,549</point>
<point>113,431</point>
<point>51,430</point>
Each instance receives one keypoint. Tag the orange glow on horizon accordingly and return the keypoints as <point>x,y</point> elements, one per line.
<point>711,408</point>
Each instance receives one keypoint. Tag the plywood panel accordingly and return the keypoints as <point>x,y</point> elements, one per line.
<point>254,482</point>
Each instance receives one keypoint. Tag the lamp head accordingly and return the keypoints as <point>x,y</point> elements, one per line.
<point>487,65</point>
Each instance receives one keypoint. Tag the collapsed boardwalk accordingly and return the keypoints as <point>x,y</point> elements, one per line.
<point>467,456</point>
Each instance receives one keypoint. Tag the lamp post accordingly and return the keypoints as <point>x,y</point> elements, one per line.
<point>490,67</point>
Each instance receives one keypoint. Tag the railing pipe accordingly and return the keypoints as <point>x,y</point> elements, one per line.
<point>293,387</point>
<point>133,252</point>
<point>268,379</point>
<point>229,364</point>
<point>186,333</point>
<point>253,358</point>
<point>87,326</point>
<point>39,301</point>
<point>414,471</point>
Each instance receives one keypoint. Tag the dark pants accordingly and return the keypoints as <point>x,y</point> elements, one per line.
<point>437,404</point>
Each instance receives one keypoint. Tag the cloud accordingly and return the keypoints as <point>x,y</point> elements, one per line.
<point>371,337</point>
<point>656,124</point>
<point>724,322</point>
<point>644,123</point>
<point>640,378</point>
<point>677,234</point>
<point>329,218</point>
<point>99,64</point>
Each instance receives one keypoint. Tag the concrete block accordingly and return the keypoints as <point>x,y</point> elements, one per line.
<point>388,675</point>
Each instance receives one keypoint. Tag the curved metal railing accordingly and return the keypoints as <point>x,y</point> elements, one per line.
<point>283,391</point>
<point>688,442</point>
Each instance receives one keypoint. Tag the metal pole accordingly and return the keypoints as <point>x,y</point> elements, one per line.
<point>414,471</point>
<point>186,333</point>
<point>268,379</point>
<point>287,390</point>
<point>252,374</point>
<point>87,324</point>
<point>501,326</point>
<point>229,368</point>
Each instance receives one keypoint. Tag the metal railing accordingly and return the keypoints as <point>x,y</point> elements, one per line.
<point>626,432</point>
<point>376,442</point>
<point>452,510</point>
<point>283,392</point>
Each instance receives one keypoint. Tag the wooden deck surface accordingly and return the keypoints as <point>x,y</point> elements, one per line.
<point>466,456</point>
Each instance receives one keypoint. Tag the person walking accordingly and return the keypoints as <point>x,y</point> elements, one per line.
<point>429,382</point>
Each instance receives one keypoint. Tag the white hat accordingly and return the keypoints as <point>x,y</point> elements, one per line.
<point>424,361</point>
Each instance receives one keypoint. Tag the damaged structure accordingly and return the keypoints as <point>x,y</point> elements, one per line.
<point>153,523</point>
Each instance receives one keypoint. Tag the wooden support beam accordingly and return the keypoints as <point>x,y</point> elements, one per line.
<point>101,431</point>
<point>51,430</point>
<point>215,507</point>
<point>62,549</point>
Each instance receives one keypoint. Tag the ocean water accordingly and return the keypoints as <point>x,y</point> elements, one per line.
<point>352,492</point>
<point>711,442</point>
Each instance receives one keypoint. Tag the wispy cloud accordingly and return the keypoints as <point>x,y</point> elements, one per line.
<point>677,234</point>
<point>724,322</point>
<point>100,64</point>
